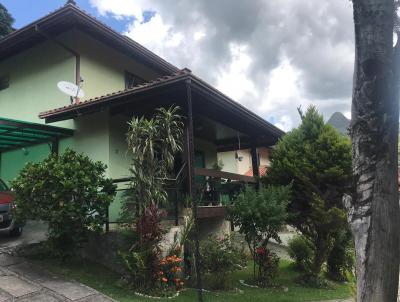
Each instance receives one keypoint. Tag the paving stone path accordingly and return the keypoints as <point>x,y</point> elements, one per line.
<point>20,281</point>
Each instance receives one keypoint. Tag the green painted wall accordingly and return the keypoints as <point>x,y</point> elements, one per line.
<point>34,75</point>
<point>103,68</point>
<point>12,162</point>
<point>33,78</point>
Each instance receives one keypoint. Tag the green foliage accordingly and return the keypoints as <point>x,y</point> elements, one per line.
<point>300,251</point>
<point>260,215</point>
<point>153,144</point>
<point>268,264</point>
<point>142,259</point>
<point>6,22</point>
<point>70,192</point>
<point>316,159</point>
<point>182,237</point>
<point>341,259</point>
<point>219,258</point>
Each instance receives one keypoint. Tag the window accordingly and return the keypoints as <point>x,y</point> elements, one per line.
<point>4,82</point>
<point>132,80</point>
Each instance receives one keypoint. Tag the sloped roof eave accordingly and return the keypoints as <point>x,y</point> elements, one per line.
<point>180,76</point>
<point>28,36</point>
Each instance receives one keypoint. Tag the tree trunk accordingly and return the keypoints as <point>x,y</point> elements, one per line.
<point>374,206</point>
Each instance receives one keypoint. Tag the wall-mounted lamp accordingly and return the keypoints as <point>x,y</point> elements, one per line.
<point>25,151</point>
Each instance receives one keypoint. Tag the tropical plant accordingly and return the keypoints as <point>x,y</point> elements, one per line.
<point>70,192</point>
<point>260,215</point>
<point>142,259</point>
<point>316,160</point>
<point>182,237</point>
<point>153,144</point>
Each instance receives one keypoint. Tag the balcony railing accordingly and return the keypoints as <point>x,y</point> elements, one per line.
<point>217,188</point>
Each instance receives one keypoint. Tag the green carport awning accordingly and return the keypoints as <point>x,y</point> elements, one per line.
<point>18,134</point>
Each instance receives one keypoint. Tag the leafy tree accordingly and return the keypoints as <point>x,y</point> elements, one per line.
<point>316,159</point>
<point>6,22</point>
<point>260,216</point>
<point>153,144</point>
<point>70,193</point>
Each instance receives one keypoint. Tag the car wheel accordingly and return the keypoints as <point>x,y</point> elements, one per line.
<point>16,232</point>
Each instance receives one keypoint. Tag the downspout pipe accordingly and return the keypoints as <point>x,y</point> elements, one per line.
<point>67,48</point>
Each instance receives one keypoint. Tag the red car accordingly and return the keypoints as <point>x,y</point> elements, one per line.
<point>7,223</point>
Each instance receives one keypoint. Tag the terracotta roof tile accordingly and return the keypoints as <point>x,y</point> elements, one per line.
<point>162,79</point>
<point>262,170</point>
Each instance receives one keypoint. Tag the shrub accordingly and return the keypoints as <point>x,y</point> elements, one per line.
<point>300,251</point>
<point>342,257</point>
<point>268,265</point>
<point>143,258</point>
<point>70,192</point>
<point>260,216</point>
<point>219,258</point>
<point>170,274</point>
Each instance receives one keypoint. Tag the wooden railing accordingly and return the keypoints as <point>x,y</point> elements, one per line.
<point>217,188</point>
<point>224,175</point>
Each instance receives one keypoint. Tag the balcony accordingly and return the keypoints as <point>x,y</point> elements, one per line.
<point>217,188</point>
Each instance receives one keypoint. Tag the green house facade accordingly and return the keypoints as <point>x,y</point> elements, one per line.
<point>121,79</point>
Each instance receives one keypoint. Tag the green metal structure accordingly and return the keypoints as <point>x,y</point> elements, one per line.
<point>19,134</point>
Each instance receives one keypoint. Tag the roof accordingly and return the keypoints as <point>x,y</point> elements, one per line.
<point>17,134</point>
<point>70,16</point>
<point>115,95</point>
<point>262,170</point>
<point>75,109</point>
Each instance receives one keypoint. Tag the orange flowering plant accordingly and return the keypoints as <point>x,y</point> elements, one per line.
<point>170,273</point>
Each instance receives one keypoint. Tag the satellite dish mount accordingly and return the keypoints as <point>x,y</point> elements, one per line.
<point>74,91</point>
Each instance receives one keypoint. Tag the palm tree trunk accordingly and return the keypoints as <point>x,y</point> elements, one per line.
<point>374,206</point>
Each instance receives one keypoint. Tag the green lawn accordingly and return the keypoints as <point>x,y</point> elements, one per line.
<point>106,282</point>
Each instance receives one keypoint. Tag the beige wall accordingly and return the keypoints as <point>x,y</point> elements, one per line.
<point>232,165</point>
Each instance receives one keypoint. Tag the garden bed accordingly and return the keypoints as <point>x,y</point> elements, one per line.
<point>109,283</point>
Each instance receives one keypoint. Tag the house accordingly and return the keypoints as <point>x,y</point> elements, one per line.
<point>121,79</point>
<point>240,161</point>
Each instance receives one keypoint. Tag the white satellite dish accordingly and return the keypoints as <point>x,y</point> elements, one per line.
<point>71,89</point>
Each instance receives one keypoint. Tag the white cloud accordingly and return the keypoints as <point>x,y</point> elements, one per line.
<point>271,56</point>
<point>233,80</point>
<point>121,8</point>
<point>285,123</point>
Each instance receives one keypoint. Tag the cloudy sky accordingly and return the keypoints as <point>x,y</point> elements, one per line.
<point>270,55</point>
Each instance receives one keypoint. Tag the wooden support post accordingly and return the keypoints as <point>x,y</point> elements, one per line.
<point>192,185</point>
<point>55,146</point>
<point>107,219</point>
<point>176,207</point>
<point>256,165</point>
